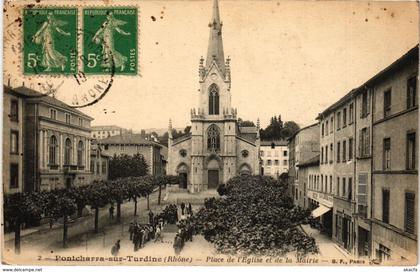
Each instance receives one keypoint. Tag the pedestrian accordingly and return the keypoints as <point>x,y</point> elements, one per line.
<point>51,220</point>
<point>177,244</point>
<point>111,211</point>
<point>151,216</point>
<point>158,234</point>
<point>131,230</point>
<point>182,208</point>
<point>116,248</point>
<point>141,238</point>
<point>189,208</point>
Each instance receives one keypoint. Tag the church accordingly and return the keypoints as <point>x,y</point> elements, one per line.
<point>217,147</point>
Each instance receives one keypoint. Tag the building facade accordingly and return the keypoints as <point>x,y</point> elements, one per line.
<point>217,148</point>
<point>368,164</point>
<point>101,132</point>
<point>13,114</point>
<point>99,162</point>
<point>395,147</point>
<point>274,157</point>
<point>49,142</point>
<point>337,167</point>
<point>131,144</point>
<point>305,145</point>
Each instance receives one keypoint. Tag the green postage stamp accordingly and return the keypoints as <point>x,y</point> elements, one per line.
<point>50,41</point>
<point>110,41</point>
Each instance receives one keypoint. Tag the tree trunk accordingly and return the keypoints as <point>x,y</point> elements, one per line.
<point>65,231</point>
<point>135,206</point>
<point>160,193</point>
<point>17,237</point>
<point>118,211</point>
<point>80,210</point>
<point>148,206</point>
<point>96,219</point>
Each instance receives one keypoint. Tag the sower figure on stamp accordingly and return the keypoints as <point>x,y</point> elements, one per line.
<point>51,58</point>
<point>105,37</point>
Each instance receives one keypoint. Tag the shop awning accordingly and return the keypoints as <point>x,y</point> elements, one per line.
<point>320,211</point>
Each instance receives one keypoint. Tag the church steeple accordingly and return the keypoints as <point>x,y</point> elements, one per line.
<point>215,48</point>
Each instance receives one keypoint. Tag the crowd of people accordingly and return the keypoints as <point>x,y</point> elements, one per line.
<point>140,234</point>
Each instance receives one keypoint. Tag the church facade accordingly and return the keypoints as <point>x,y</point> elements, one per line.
<point>217,148</point>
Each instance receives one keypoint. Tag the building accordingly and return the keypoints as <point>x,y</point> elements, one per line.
<point>99,162</point>
<point>217,148</point>
<point>275,158</point>
<point>13,110</point>
<point>374,187</point>
<point>303,145</point>
<point>337,167</point>
<point>131,144</point>
<point>316,197</point>
<point>53,142</point>
<point>101,132</point>
<point>394,159</point>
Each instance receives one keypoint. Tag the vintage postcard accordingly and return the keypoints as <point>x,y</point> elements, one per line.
<point>213,132</point>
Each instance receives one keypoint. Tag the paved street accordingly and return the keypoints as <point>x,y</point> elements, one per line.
<point>45,245</point>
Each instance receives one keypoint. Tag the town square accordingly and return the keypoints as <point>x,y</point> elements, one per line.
<point>292,140</point>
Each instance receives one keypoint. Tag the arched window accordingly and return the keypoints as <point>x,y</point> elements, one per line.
<point>53,151</point>
<point>213,100</point>
<point>213,138</point>
<point>80,153</point>
<point>67,152</point>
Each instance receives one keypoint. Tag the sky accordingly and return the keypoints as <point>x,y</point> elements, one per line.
<point>293,58</point>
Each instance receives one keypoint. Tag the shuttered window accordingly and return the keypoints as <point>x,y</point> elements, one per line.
<point>411,151</point>
<point>387,154</point>
<point>409,222</point>
<point>411,92</point>
<point>385,205</point>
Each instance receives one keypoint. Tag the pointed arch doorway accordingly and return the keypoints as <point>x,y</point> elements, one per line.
<point>213,173</point>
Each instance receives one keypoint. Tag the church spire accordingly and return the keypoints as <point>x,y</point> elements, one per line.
<point>215,49</point>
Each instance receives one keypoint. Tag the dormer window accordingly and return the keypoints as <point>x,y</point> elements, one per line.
<point>213,100</point>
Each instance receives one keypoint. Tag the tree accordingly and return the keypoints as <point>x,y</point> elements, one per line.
<point>278,130</point>
<point>160,181</point>
<point>255,216</point>
<point>61,204</point>
<point>123,166</point>
<point>290,128</point>
<point>148,183</point>
<point>79,195</point>
<point>21,208</point>
<point>98,197</point>
<point>245,123</point>
<point>118,192</point>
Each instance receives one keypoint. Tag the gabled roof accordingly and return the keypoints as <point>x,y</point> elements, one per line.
<point>128,138</point>
<point>181,138</point>
<point>294,134</point>
<point>276,143</point>
<point>109,127</point>
<point>35,96</point>
<point>247,130</point>
<point>311,162</point>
